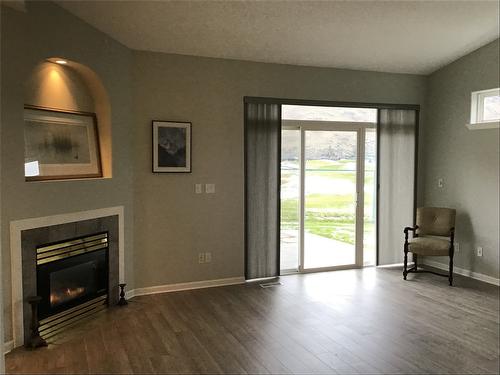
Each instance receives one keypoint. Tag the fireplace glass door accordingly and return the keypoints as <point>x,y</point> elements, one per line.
<point>73,280</point>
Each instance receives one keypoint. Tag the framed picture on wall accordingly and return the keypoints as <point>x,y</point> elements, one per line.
<point>171,146</point>
<point>60,144</point>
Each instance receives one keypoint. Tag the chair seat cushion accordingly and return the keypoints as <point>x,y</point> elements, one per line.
<point>429,246</point>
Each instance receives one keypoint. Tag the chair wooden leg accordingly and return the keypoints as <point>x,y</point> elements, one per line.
<point>450,276</point>
<point>405,270</point>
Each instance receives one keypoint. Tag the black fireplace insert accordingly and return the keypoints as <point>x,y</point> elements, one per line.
<point>71,273</point>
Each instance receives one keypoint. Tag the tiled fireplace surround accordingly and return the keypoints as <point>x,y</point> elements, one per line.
<point>52,229</point>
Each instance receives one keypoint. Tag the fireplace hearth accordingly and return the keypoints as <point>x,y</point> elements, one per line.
<point>72,281</point>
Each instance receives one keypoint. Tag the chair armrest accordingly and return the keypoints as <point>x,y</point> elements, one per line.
<point>406,230</point>
<point>413,229</point>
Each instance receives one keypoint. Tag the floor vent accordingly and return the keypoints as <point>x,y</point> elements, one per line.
<point>270,285</point>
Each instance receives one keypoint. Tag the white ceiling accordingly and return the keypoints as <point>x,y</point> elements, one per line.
<point>391,36</point>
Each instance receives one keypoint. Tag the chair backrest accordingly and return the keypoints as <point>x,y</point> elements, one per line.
<point>435,221</point>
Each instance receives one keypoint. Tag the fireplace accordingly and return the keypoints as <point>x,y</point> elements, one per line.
<point>72,280</point>
<point>27,235</point>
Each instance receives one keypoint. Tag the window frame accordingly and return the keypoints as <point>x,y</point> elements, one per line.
<point>477,110</point>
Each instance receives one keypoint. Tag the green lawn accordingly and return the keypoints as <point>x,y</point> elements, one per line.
<point>330,164</point>
<point>329,214</point>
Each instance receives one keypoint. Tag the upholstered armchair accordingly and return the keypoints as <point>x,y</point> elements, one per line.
<point>432,236</point>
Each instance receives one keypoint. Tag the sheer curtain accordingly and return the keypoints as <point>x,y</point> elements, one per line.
<point>397,130</point>
<point>262,182</point>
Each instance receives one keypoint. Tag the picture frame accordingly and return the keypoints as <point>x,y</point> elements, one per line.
<point>60,144</point>
<point>171,146</point>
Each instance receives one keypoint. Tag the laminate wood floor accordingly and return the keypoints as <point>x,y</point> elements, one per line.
<point>355,321</point>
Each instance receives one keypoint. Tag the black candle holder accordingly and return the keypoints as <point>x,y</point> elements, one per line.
<point>35,340</point>
<point>122,301</point>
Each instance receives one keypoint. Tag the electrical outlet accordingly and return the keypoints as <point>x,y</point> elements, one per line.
<point>198,189</point>
<point>208,257</point>
<point>201,258</point>
<point>479,251</point>
<point>456,246</point>
<point>210,188</point>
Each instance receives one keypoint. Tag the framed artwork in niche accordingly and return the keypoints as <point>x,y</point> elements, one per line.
<point>60,144</point>
<point>171,146</point>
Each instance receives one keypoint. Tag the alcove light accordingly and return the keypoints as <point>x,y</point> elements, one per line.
<point>57,60</point>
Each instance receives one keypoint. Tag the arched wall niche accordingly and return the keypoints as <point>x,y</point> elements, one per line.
<point>74,87</point>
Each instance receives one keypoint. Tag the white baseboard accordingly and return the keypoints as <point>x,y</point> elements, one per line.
<point>184,286</point>
<point>464,272</point>
<point>8,346</point>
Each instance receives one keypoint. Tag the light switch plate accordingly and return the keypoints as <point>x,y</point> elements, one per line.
<point>479,251</point>
<point>198,189</point>
<point>440,182</point>
<point>210,188</point>
<point>208,257</point>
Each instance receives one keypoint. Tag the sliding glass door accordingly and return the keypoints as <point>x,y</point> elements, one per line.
<point>370,198</point>
<point>290,199</point>
<point>330,191</point>
<point>327,195</point>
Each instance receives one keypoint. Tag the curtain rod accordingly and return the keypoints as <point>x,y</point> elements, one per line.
<point>328,103</point>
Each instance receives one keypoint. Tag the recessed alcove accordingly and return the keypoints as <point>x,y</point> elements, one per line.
<point>73,87</point>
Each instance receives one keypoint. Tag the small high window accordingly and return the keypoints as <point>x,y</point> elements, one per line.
<point>485,109</point>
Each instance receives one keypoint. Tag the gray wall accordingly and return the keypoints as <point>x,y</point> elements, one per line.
<point>46,30</point>
<point>172,223</point>
<point>468,161</point>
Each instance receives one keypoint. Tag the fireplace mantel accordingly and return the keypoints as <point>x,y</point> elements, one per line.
<point>16,229</point>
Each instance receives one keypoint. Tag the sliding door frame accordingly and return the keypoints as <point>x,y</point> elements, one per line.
<point>360,129</point>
